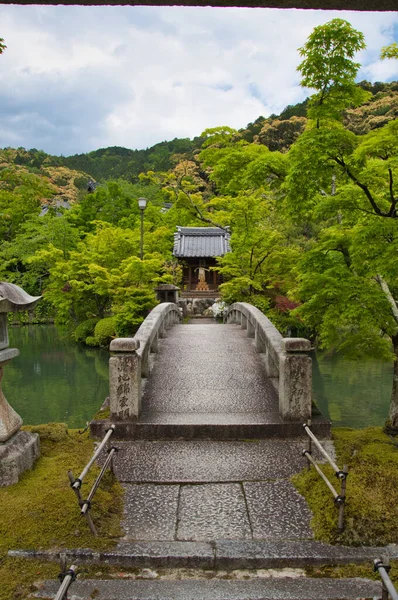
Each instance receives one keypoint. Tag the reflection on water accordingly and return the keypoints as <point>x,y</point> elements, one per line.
<point>352,393</point>
<point>53,379</point>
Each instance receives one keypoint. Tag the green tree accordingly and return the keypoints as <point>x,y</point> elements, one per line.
<point>347,187</point>
<point>390,51</point>
<point>2,46</point>
<point>329,68</point>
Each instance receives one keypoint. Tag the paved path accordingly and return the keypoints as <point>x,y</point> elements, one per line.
<point>208,374</point>
<point>208,490</point>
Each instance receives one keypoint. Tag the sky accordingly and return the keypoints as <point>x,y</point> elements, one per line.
<point>74,79</point>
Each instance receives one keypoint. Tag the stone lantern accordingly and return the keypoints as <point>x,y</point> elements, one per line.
<point>18,449</point>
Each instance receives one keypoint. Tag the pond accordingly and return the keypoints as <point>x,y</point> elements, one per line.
<point>352,393</point>
<point>56,380</point>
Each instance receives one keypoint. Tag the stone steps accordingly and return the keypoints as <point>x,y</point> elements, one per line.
<point>201,461</point>
<point>218,555</point>
<point>301,588</point>
<point>209,426</point>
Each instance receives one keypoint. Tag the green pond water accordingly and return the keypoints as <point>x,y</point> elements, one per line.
<point>55,380</point>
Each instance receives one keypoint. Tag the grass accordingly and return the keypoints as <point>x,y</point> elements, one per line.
<point>41,511</point>
<point>372,490</point>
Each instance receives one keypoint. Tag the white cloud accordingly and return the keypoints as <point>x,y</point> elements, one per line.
<point>133,76</point>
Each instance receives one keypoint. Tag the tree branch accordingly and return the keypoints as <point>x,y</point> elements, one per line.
<point>393,199</point>
<point>363,187</point>
<point>260,263</point>
<point>386,291</point>
<point>199,213</point>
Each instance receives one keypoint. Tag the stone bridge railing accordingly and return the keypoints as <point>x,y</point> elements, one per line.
<point>130,361</point>
<point>287,363</point>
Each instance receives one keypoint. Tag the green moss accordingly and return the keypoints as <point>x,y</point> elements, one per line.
<point>42,511</point>
<point>366,571</point>
<point>101,415</point>
<point>372,490</point>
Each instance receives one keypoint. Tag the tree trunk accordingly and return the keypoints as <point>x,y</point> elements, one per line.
<point>392,426</point>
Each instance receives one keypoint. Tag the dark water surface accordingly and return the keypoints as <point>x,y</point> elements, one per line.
<point>352,393</point>
<point>53,379</point>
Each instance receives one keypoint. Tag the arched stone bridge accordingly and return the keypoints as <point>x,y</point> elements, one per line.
<point>238,380</point>
<point>208,418</point>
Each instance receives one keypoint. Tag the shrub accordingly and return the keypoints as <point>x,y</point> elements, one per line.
<point>134,310</point>
<point>104,331</point>
<point>84,329</point>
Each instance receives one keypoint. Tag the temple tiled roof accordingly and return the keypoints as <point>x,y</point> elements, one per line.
<point>201,242</point>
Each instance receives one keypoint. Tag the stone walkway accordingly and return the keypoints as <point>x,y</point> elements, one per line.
<point>207,490</point>
<point>208,374</point>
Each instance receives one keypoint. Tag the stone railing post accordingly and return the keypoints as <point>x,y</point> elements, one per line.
<point>295,380</point>
<point>125,379</point>
<point>250,329</point>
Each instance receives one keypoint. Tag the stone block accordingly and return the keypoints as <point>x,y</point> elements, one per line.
<point>125,386</point>
<point>10,421</point>
<point>3,331</point>
<point>212,511</point>
<point>296,345</point>
<point>295,387</point>
<point>150,511</point>
<point>124,345</point>
<point>17,455</point>
<point>277,511</point>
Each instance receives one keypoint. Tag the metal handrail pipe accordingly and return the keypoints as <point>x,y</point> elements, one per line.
<point>319,471</point>
<point>386,579</point>
<point>86,503</point>
<point>78,482</point>
<point>66,582</point>
<point>322,449</point>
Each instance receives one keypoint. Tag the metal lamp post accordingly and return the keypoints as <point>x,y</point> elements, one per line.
<point>142,202</point>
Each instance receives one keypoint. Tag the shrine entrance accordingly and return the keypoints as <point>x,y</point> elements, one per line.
<point>197,248</point>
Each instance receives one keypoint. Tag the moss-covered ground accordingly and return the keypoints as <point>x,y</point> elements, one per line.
<point>41,510</point>
<point>365,571</point>
<point>372,489</point>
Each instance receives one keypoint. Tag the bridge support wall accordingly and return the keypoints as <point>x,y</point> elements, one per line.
<point>287,362</point>
<point>130,361</point>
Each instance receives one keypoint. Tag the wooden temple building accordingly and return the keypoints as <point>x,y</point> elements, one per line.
<point>197,248</point>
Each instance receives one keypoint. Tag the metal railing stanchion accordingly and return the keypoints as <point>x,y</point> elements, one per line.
<point>321,448</point>
<point>382,566</point>
<point>80,502</point>
<point>79,480</point>
<point>76,484</point>
<point>67,578</point>
<point>85,507</point>
<point>339,499</point>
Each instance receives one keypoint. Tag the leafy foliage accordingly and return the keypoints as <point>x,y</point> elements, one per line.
<point>390,51</point>
<point>328,67</point>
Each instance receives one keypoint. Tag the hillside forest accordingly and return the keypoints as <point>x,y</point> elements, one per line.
<point>310,197</point>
